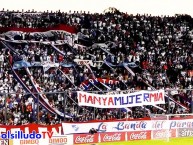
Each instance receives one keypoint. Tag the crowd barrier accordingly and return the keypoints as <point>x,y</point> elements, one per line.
<point>109,131</point>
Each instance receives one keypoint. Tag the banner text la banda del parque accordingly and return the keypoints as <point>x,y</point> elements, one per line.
<point>139,98</point>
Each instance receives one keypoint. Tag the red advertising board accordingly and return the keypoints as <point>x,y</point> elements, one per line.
<point>112,136</point>
<point>138,135</point>
<point>85,138</point>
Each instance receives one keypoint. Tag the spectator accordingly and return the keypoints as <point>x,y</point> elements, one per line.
<point>158,50</point>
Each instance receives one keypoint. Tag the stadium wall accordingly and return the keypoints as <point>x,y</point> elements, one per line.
<point>153,7</point>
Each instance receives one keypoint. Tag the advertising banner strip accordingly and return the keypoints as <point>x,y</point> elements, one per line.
<point>121,100</point>
<point>122,126</point>
<point>104,126</point>
<point>108,131</point>
<point>120,136</point>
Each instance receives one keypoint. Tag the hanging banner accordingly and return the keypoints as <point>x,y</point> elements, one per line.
<point>83,62</point>
<point>86,84</point>
<point>121,100</point>
<point>46,65</point>
<point>61,27</point>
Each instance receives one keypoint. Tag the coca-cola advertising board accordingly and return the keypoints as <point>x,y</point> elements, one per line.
<point>160,134</point>
<point>185,132</point>
<point>138,135</point>
<point>86,138</point>
<point>112,137</point>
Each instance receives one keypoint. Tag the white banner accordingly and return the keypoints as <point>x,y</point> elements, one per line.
<point>71,128</point>
<point>121,100</point>
<point>122,126</point>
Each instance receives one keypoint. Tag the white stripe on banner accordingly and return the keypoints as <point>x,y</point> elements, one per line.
<point>126,110</point>
<point>108,88</point>
<point>92,83</point>
<point>67,77</point>
<point>129,70</point>
<point>107,51</point>
<point>89,68</point>
<point>108,65</point>
<point>147,110</point>
<point>62,53</point>
<point>28,90</point>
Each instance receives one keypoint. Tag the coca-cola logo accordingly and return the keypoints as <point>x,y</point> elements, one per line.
<point>161,134</point>
<point>84,139</point>
<point>138,136</point>
<point>113,137</point>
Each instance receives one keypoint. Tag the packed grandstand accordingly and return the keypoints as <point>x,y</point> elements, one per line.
<point>45,58</point>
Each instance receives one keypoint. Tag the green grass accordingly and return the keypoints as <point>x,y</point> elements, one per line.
<point>176,141</point>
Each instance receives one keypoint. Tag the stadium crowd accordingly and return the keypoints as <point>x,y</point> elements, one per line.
<point>158,49</point>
